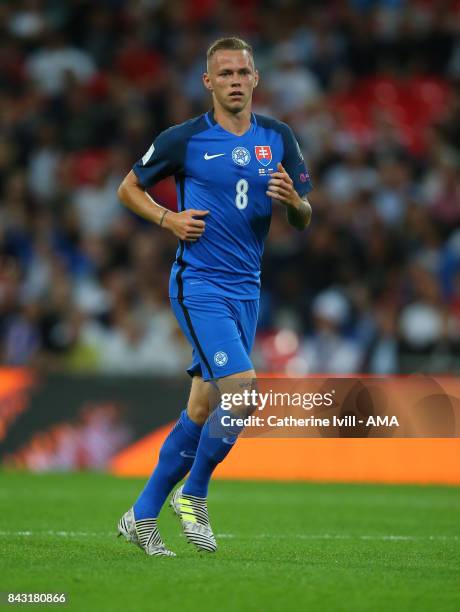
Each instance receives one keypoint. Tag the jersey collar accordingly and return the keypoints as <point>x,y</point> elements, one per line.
<point>212,122</point>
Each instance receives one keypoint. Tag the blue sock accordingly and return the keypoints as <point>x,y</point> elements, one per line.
<point>210,452</point>
<point>176,458</point>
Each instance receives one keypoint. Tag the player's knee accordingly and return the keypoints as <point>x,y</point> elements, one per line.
<point>239,393</point>
<point>199,400</point>
<point>198,412</point>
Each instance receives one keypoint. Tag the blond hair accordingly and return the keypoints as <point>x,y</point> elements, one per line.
<point>229,43</point>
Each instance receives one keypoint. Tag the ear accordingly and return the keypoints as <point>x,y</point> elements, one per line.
<point>207,81</point>
<point>256,78</point>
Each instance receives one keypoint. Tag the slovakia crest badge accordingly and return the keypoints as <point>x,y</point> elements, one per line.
<point>263,155</point>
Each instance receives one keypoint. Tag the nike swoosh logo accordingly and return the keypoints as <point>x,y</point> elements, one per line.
<point>206,156</point>
<point>228,441</point>
<point>187,455</point>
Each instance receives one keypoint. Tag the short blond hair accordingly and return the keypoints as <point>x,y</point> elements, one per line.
<point>229,43</point>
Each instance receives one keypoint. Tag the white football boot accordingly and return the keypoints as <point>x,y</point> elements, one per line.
<point>143,533</point>
<point>193,514</point>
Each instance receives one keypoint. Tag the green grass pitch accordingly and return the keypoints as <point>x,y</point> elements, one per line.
<point>282,546</point>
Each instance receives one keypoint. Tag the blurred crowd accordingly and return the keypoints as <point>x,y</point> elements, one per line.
<point>87,442</point>
<point>372,90</point>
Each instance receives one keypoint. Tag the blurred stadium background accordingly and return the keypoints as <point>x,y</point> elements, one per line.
<point>372,89</point>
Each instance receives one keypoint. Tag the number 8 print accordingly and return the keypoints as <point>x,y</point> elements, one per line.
<point>241,198</point>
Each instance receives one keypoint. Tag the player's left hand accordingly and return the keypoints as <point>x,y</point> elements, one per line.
<point>281,187</point>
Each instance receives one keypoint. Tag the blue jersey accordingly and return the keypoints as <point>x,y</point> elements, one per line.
<point>228,175</point>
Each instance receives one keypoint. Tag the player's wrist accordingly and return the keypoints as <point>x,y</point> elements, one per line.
<point>295,201</point>
<point>168,220</point>
<point>163,216</point>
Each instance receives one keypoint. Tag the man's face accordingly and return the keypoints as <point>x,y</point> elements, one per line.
<point>231,77</point>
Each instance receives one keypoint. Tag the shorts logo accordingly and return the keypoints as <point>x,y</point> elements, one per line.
<point>220,358</point>
<point>241,156</point>
<point>263,155</point>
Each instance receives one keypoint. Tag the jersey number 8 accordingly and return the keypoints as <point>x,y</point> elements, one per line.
<point>241,198</point>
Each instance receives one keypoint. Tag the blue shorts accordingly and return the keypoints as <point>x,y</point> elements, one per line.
<point>221,331</point>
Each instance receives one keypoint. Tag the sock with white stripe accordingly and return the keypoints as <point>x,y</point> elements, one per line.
<point>176,458</point>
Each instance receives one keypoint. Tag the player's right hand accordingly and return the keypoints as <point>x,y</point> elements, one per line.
<point>185,226</point>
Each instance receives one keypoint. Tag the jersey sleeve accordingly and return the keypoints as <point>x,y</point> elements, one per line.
<point>294,163</point>
<point>164,158</point>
